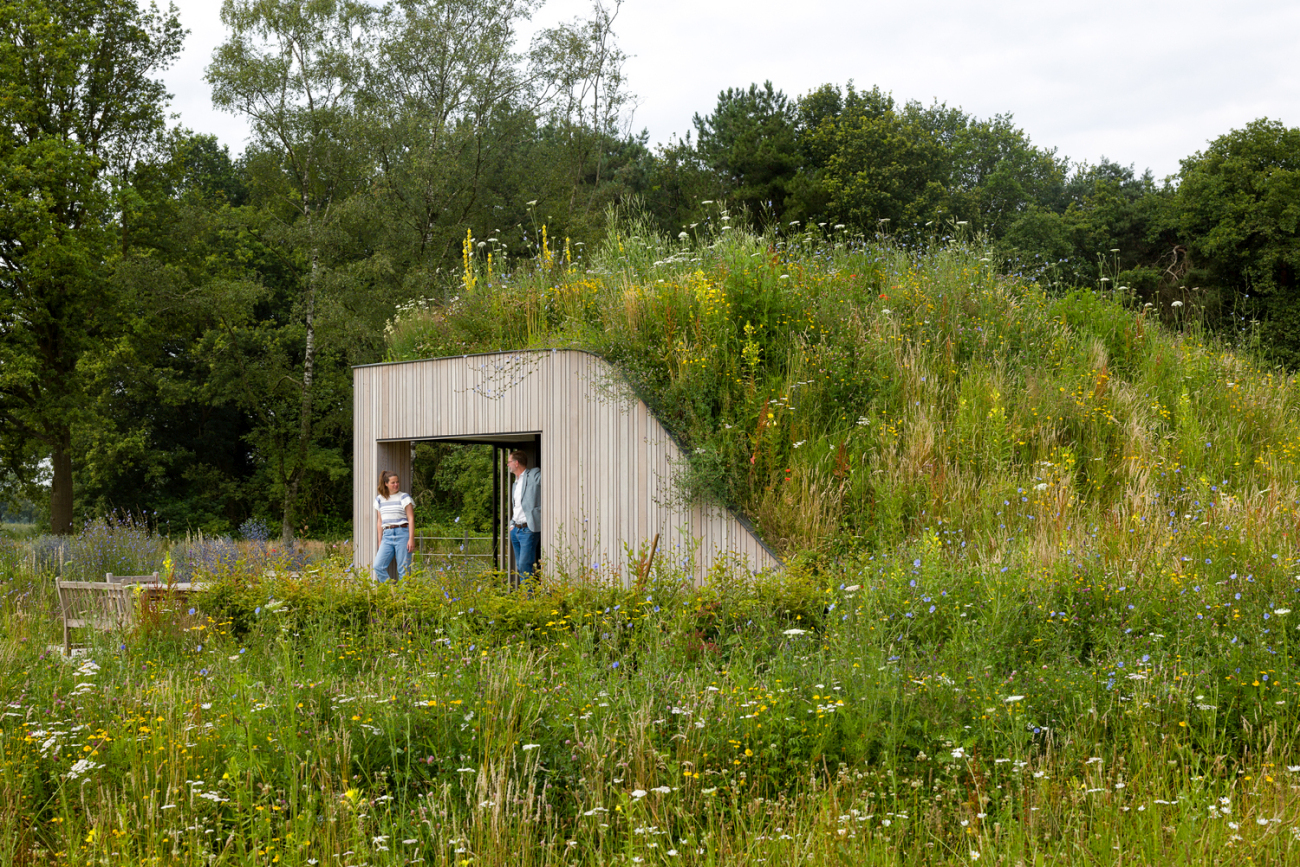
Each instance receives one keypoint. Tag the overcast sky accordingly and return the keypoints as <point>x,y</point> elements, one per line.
<point>1142,82</point>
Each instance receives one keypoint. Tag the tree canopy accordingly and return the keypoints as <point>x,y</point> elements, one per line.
<point>178,323</point>
<point>79,106</point>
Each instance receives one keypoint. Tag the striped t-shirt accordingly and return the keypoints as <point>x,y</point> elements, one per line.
<point>392,510</point>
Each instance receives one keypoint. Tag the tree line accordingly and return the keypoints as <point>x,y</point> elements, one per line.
<point>178,324</point>
<point>1219,238</point>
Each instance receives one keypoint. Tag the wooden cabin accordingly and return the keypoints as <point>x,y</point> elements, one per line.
<point>607,463</point>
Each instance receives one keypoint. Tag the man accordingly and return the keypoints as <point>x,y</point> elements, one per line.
<point>525,517</point>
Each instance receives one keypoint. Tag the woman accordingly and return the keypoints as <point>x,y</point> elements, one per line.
<point>394,527</point>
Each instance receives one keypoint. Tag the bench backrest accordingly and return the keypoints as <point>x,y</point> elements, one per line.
<point>131,579</point>
<point>94,605</point>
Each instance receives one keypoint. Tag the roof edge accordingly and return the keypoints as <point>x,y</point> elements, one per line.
<point>551,349</point>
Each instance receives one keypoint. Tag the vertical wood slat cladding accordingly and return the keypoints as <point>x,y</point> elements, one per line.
<point>607,462</point>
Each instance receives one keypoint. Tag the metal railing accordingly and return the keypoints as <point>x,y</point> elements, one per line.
<point>462,552</point>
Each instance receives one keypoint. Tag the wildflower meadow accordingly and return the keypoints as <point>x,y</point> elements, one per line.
<point>1040,580</point>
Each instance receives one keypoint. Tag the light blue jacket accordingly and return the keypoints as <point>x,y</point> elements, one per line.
<point>530,499</point>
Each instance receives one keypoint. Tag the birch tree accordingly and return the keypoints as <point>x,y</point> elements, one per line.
<point>293,68</point>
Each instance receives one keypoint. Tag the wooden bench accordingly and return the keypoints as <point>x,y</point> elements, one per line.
<point>93,605</point>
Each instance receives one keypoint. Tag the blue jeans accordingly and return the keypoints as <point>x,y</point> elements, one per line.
<point>524,542</point>
<point>393,544</point>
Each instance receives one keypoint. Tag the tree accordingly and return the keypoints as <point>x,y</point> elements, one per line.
<point>77,105</point>
<point>446,108</point>
<point>581,96</point>
<point>669,184</point>
<point>1238,212</point>
<point>462,129</point>
<point>171,434</point>
<point>380,134</point>
<point>1104,220</point>
<point>995,173</point>
<point>876,165</point>
<point>294,68</point>
<point>750,142</point>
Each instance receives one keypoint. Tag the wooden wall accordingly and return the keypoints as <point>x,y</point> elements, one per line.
<point>606,462</point>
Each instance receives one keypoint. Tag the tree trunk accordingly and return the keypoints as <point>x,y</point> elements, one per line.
<point>61,488</point>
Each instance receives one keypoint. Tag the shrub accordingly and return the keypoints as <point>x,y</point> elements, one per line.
<point>121,543</point>
<point>202,555</point>
<point>254,530</point>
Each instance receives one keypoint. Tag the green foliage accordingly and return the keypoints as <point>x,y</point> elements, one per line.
<point>197,395</point>
<point>203,316</point>
<point>995,172</point>
<point>879,165</point>
<point>1126,339</point>
<point>1215,248</point>
<point>750,142</point>
<point>295,70</point>
<point>672,185</point>
<point>1238,207</point>
<point>78,107</point>
<point>1105,228</point>
<point>454,485</point>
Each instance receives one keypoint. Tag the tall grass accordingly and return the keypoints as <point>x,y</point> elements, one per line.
<point>1039,609</point>
<point>918,715</point>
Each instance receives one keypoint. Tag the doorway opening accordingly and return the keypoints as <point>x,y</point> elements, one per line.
<point>461,489</point>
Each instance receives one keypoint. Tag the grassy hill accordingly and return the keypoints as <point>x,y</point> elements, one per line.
<point>850,395</point>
